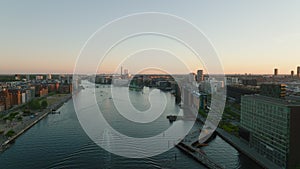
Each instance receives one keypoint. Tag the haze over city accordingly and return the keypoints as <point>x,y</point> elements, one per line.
<point>250,37</point>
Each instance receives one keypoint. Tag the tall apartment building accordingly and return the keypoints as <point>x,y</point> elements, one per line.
<point>271,126</point>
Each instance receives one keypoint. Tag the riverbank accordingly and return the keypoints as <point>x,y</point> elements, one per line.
<point>25,125</point>
<point>242,147</point>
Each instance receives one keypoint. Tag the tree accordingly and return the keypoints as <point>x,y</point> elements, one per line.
<point>44,104</point>
<point>34,105</point>
<point>10,133</point>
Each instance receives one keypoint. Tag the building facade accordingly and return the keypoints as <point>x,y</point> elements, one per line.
<point>270,126</point>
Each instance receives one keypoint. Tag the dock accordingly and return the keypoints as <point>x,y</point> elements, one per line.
<point>198,155</point>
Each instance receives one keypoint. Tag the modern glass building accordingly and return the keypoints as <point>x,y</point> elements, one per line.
<point>271,126</point>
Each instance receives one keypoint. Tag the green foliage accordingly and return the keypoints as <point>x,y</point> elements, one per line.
<point>34,105</point>
<point>11,116</point>
<point>44,104</point>
<point>202,113</point>
<point>228,127</point>
<point>26,111</point>
<point>20,118</point>
<point>229,114</point>
<point>10,133</point>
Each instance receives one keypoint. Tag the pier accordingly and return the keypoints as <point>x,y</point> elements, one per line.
<point>198,155</point>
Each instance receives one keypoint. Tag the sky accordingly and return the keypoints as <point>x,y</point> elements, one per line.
<point>251,36</point>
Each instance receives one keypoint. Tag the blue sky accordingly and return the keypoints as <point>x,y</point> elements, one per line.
<point>249,36</point>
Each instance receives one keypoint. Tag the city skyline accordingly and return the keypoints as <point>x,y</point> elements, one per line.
<point>35,39</point>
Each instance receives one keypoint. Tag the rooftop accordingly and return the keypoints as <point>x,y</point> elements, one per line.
<point>289,101</point>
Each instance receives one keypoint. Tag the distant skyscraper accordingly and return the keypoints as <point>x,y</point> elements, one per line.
<point>292,73</point>
<point>199,75</point>
<point>275,72</point>
<point>298,71</point>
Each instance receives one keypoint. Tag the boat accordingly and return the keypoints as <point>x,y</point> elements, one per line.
<point>172,118</point>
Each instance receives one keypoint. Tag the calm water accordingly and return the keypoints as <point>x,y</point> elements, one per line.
<point>58,141</point>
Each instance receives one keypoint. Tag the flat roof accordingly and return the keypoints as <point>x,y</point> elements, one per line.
<point>282,101</point>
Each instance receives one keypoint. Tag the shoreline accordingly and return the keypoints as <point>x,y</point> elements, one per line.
<point>241,147</point>
<point>6,144</point>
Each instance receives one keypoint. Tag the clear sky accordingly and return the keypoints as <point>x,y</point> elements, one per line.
<point>251,36</point>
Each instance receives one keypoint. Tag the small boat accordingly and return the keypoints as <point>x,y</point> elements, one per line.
<point>172,118</point>
<point>55,112</point>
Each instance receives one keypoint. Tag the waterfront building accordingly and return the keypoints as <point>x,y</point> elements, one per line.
<point>29,95</point>
<point>15,96</point>
<point>271,126</point>
<point>43,91</point>
<point>53,87</point>
<point>23,97</point>
<point>5,99</point>
<point>65,88</point>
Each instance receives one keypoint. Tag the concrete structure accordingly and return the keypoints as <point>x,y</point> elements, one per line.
<point>298,71</point>
<point>271,127</point>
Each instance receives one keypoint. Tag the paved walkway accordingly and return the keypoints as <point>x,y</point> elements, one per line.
<point>21,126</point>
